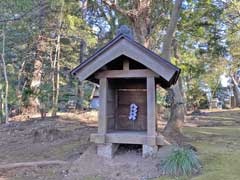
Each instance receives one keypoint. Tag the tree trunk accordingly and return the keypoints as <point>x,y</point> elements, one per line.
<point>141,22</point>
<point>80,86</point>
<point>55,78</point>
<point>84,8</point>
<point>1,95</point>
<point>38,63</point>
<point>183,93</point>
<point>57,66</point>
<point>82,49</point>
<point>18,89</point>
<point>1,105</point>
<point>177,112</point>
<point>140,32</point>
<point>58,78</point>
<point>175,122</point>
<point>180,80</point>
<point>5,79</point>
<point>236,91</point>
<point>140,19</point>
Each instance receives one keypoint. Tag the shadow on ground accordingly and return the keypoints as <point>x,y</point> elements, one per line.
<point>215,134</point>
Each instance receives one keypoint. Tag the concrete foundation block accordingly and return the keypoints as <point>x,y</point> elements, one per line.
<point>149,150</point>
<point>107,150</point>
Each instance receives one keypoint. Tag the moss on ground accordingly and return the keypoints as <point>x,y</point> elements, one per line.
<point>219,150</point>
<point>63,150</point>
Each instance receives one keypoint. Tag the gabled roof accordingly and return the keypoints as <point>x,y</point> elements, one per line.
<point>122,45</point>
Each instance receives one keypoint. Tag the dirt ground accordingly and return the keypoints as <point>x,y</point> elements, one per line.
<point>59,148</point>
<point>64,139</point>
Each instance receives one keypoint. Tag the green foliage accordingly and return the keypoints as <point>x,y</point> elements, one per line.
<point>44,91</point>
<point>162,98</point>
<point>22,37</point>
<point>181,162</point>
<point>204,32</point>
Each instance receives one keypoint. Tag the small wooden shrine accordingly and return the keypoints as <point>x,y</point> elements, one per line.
<point>127,73</point>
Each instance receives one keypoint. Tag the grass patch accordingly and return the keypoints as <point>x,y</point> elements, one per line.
<point>219,165</point>
<point>181,161</point>
<point>219,154</point>
<point>231,131</point>
<point>219,151</point>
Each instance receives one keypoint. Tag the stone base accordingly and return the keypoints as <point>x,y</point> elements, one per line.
<point>149,150</point>
<point>107,150</point>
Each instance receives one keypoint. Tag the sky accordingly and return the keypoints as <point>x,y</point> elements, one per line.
<point>224,80</point>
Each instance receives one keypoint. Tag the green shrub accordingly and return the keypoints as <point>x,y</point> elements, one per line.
<point>181,162</point>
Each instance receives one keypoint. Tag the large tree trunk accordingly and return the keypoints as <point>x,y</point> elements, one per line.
<point>176,119</point>
<point>140,19</point>
<point>177,113</point>
<point>34,103</point>
<point>141,22</point>
<point>180,80</point>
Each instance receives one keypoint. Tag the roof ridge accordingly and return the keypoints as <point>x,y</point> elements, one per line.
<point>137,45</point>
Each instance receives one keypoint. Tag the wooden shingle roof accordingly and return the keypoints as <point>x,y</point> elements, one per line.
<point>123,45</point>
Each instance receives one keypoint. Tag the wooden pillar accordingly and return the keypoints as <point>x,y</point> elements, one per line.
<point>102,118</point>
<point>151,112</point>
<point>126,64</point>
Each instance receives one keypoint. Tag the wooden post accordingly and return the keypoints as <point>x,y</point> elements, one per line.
<point>126,64</point>
<point>102,118</point>
<point>151,112</point>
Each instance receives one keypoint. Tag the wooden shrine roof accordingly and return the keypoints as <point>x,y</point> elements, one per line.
<point>123,45</point>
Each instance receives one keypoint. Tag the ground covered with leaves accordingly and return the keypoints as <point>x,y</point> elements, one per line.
<point>59,148</point>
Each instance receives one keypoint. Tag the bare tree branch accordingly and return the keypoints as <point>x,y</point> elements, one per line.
<point>117,8</point>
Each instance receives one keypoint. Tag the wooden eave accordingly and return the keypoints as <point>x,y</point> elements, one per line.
<point>122,45</point>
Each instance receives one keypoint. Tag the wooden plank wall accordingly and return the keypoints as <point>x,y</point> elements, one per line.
<point>125,98</point>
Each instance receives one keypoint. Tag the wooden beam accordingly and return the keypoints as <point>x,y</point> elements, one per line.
<point>124,47</point>
<point>151,112</point>
<point>150,140</point>
<point>133,137</point>
<point>102,119</point>
<point>98,138</point>
<point>126,64</point>
<point>132,90</point>
<point>139,73</point>
<point>116,109</point>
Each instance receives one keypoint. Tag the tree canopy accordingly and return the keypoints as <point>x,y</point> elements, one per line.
<point>42,40</point>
